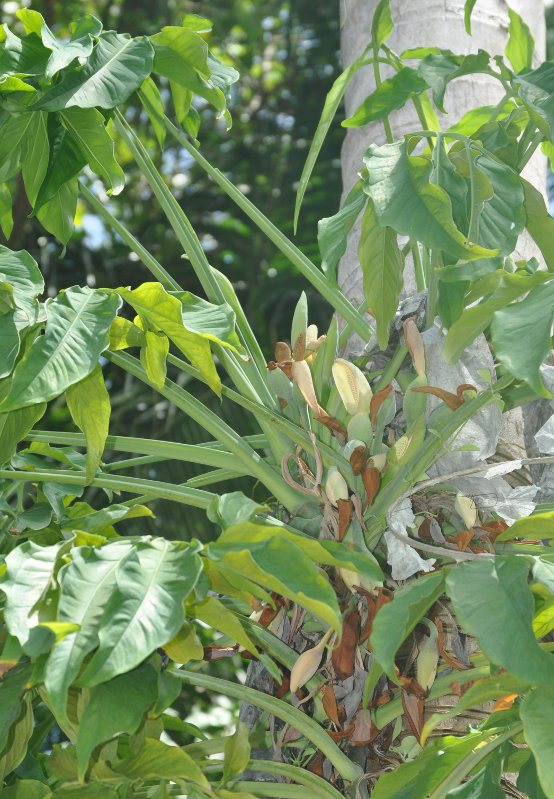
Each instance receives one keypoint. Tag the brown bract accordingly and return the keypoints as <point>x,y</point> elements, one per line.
<point>377,400</point>
<point>344,655</point>
<point>371,478</point>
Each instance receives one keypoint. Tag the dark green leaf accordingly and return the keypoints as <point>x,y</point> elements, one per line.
<point>6,218</point>
<point>391,94</point>
<point>105,714</point>
<point>493,602</point>
<point>13,133</point>
<point>58,214</point>
<point>79,45</point>
<point>77,331</point>
<point>535,89</point>
<point>395,620</point>
<point>12,687</point>
<point>382,267</point>
<point>15,425</point>
<point>478,786</point>
<point>520,46</point>
<point>88,131</point>
<point>468,8</point>
<point>20,274</point>
<point>503,216</point>
<point>156,760</point>
<point>98,521</point>
<point>115,69</point>
<point>18,738</point>
<point>237,753</point>
<point>152,102</point>
<point>227,510</point>
<point>27,789</point>
<point>445,175</point>
<point>89,405</point>
<point>450,303</point>
<point>65,162</point>
<point>333,230</point>
<point>405,200</point>
<point>536,714</point>
<point>381,24</point>
<point>25,56</point>
<point>438,70</point>
<point>528,780</point>
<point>539,222</point>
<point>521,334</point>
<point>9,341</point>
<point>36,517</point>
<point>36,154</point>
<point>146,609</point>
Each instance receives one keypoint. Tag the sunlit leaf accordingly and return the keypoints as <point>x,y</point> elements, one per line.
<point>391,94</point>
<point>157,760</point>
<point>15,425</point>
<point>79,45</point>
<point>333,230</point>
<point>237,753</point>
<point>535,89</point>
<point>520,46</point>
<point>437,70</point>
<point>536,714</point>
<point>87,128</point>
<point>89,404</point>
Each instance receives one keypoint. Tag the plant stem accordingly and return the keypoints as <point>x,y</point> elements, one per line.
<point>538,138</point>
<point>391,368</point>
<point>432,286</point>
<point>134,244</point>
<point>421,281</point>
<point>377,74</point>
<point>251,460</point>
<point>309,270</point>
<point>302,776</point>
<point>303,723</point>
<point>347,329</point>
<point>133,485</point>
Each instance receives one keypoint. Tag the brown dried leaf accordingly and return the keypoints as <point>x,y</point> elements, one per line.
<point>494,528</point>
<point>363,729</point>
<point>410,685</point>
<point>463,538</point>
<point>505,702</point>
<point>271,365</point>
<point>447,397</point>
<point>464,387</point>
<point>345,515</point>
<point>286,367</point>
<point>414,343</point>
<point>413,708</point>
<point>374,604</point>
<point>358,459</point>
<point>339,735</point>
<point>371,478</point>
<point>460,688</point>
<point>331,424</point>
<point>377,400</point>
<point>330,703</point>
<point>282,352</point>
<point>283,689</point>
<point>452,660</point>
<point>344,655</point>
<point>299,347</point>
<point>218,652</point>
<point>292,734</point>
<point>316,765</point>
<point>269,612</point>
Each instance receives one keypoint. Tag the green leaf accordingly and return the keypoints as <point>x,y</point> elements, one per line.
<point>22,56</point>
<point>105,715</point>
<point>536,714</point>
<point>382,267</point>
<point>521,335</point>
<point>391,94</point>
<point>395,620</point>
<point>29,572</point>
<point>332,102</point>
<point>65,162</point>
<point>196,23</point>
<point>58,214</point>
<point>405,200</point>
<point>332,231</point>
<point>6,218</point>
<point>87,128</point>
<point>528,780</point>
<point>13,132</point>
<point>153,357</point>
<point>469,271</point>
<point>27,789</point>
<point>80,44</point>
<point>115,69</point>
<point>12,687</point>
<point>280,565</point>
<point>15,425</point>
<point>381,24</point>
<point>146,609</point>
<point>535,89</point>
<point>474,320</point>
<point>540,525</point>
<point>480,785</point>
<point>9,341</point>
<point>89,405</point>
<point>36,517</point>
<point>445,175</point>
<point>123,334</point>
<point>18,738</point>
<point>160,310</point>
<point>36,152</point>
<point>20,274</point>
<point>212,612</point>
<point>503,216</point>
<point>438,70</point>
<point>520,46</point>
<point>100,520</point>
<point>32,20</point>
<point>493,602</point>
<point>468,8</point>
<point>237,753</point>
<point>87,582</point>
<point>213,322</point>
<point>156,760</point>
<point>77,331</point>
<point>539,222</point>
<point>151,100</point>
<point>450,302</point>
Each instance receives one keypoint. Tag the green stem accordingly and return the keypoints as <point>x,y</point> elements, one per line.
<point>391,368</point>
<point>527,155</point>
<point>377,74</point>
<point>133,485</point>
<point>309,270</point>
<point>302,776</point>
<point>421,280</point>
<point>473,232</point>
<point>303,723</point>
<point>215,476</point>
<point>129,463</point>
<point>167,450</point>
<point>251,460</point>
<point>134,244</point>
<point>432,286</point>
<point>347,329</point>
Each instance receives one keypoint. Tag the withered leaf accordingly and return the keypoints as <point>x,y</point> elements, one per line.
<point>299,347</point>
<point>330,703</point>
<point>331,424</point>
<point>358,459</point>
<point>339,735</point>
<point>374,604</point>
<point>283,689</point>
<point>345,516</point>
<point>316,764</point>
<point>363,729</point>
<point>413,708</point>
<point>494,528</point>
<point>447,397</point>
<point>343,656</point>
<point>410,685</point>
<point>464,387</point>
<point>377,400</point>
<point>463,538</point>
<point>452,660</point>
<point>282,351</point>
<point>505,702</point>
<point>371,478</point>
<point>286,367</point>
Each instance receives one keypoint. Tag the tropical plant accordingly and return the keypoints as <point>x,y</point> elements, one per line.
<point>100,630</point>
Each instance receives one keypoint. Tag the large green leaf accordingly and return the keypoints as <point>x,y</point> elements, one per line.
<point>22,56</point>
<point>58,214</point>
<point>536,714</point>
<point>81,516</point>
<point>146,609</point>
<point>535,89</point>
<point>105,715</point>
<point>280,565</point>
<point>13,132</point>
<point>89,404</point>
<point>79,45</point>
<point>503,216</point>
<point>65,162</point>
<point>153,356</point>
<point>381,23</point>
<point>20,274</point>
<point>382,268</point>
<point>520,46</point>
<point>88,130</point>
<point>77,331</point>
<point>12,686</point>
<point>212,612</point>
<point>157,760</point>
<point>35,155</point>
<point>437,70</point>
<point>27,789</point>
<point>29,572</point>
<point>9,341</point>
<point>540,525</point>
<point>160,310</point>
<point>333,230</point>
<point>395,620</point>
<point>478,786</point>
<point>391,94</point>
<point>115,69</point>
<point>237,753</point>
<point>214,322</point>
<point>445,175</point>
<point>87,581</point>
<point>15,425</point>
<point>539,222</point>
<point>18,738</point>
<point>332,102</point>
<point>528,780</point>
<point>493,602</point>
<point>6,218</point>
<point>521,334</point>
<point>405,200</point>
